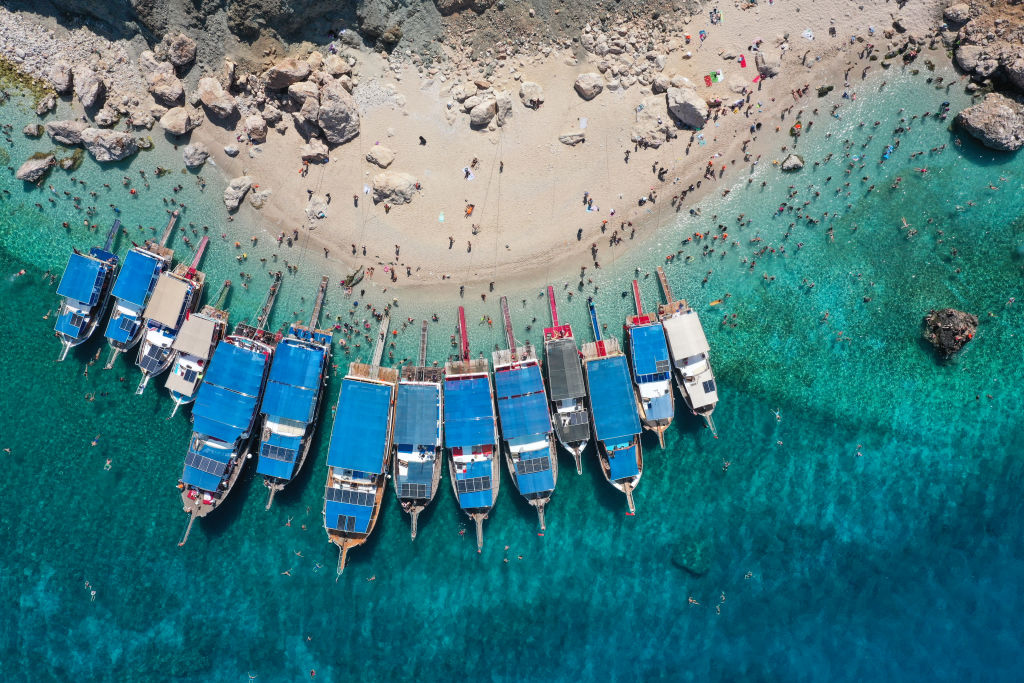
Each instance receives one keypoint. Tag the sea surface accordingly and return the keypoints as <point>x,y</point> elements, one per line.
<point>858,518</point>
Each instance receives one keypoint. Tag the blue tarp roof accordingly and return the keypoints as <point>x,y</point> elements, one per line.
<point>360,512</point>
<point>199,479</point>
<point>269,467</point>
<point>136,279</point>
<point>417,415</point>
<point>419,473</point>
<point>475,499</point>
<point>468,413</point>
<point>293,382</point>
<point>82,279</point>
<point>660,407</point>
<point>647,347</point>
<point>611,396</point>
<point>226,401</point>
<point>121,328</point>
<point>623,464</point>
<point>522,405</point>
<point>534,474</point>
<point>360,433</point>
<point>64,325</point>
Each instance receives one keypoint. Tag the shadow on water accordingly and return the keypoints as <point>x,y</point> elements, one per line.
<point>609,497</point>
<point>221,519</point>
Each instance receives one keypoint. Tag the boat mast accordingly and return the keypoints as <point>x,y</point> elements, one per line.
<point>112,234</point>
<point>423,345</point>
<point>509,335</point>
<point>199,255</point>
<point>636,298</point>
<point>551,305</point>
<point>463,335</point>
<point>169,229</point>
<point>321,294</point>
<point>664,285</point>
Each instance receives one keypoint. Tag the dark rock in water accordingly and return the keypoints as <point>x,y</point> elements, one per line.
<point>693,556</point>
<point>794,162</point>
<point>949,330</point>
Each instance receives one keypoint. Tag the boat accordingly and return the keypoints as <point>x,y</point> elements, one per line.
<point>224,418</point>
<point>358,454</point>
<point>176,296</point>
<point>291,402</point>
<point>470,433</point>
<point>193,347</point>
<point>524,421</point>
<point>613,406</point>
<point>85,286</point>
<point>133,287</point>
<point>416,456</point>
<point>565,382</point>
<point>652,371</point>
<point>690,352</point>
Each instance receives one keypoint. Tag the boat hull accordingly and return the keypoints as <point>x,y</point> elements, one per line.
<point>196,506</point>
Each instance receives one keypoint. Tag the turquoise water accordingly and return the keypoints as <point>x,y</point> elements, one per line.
<point>871,531</point>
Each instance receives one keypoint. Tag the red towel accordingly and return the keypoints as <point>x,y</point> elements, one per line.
<point>707,81</point>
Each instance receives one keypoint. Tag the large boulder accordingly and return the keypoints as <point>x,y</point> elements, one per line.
<point>60,76</point>
<point>302,91</point>
<point>336,66</point>
<point>1013,64</point>
<point>47,103</point>
<point>573,139</point>
<point>653,126</point>
<point>768,64</point>
<point>481,114</point>
<point>33,130</point>
<point>195,155</point>
<point>978,60</point>
<point>236,190</point>
<point>66,132</point>
<point>687,106</point>
<point>286,72</point>
<point>181,120</point>
<point>394,188</point>
<point>89,87</point>
<point>957,14</point>
<point>503,103</point>
<point>793,162</point>
<point>215,98</point>
<point>589,85</point>
<point>256,128</point>
<point>949,330</point>
<point>380,155</point>
<point>181,49</point>
<point>315,150</point>
<point>35,169</point>
<point>531,94</point>
<point>997,122</point>
<point>660,84</point>
<point>337,116</point>
<point>109,145</point>
<point>165,86</point>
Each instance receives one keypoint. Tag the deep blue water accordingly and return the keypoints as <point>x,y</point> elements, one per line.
<point>870,531</point>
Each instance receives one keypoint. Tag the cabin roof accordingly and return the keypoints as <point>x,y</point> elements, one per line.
<point>359,437</point>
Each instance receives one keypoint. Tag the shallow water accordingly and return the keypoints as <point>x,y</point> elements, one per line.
<point>870,531</point>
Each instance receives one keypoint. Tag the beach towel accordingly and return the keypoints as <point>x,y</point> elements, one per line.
<point>743,62</point>
<point>707,81</point>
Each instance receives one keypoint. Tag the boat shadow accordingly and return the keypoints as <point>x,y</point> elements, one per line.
<point>226,515</point>
<point>609,497</point>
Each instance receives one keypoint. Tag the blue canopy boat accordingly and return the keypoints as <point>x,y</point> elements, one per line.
<point>176,296</point>
<point>224,417</point>
<point>652,370</point>
<point>418,440</point>
<point>85,287</point>
<point>568,390</point>
<point>470,433</point>
<point>194,346</point>
<point>134,285</point>
<point>357,458</point>
<point>616,423</point>
<point>525,423</point>
<point>291,403</point>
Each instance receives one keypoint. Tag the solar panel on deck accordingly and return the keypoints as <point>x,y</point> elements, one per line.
<point>565,375</point>
<point>413,491</point>
<point>360,498</point>
<point>533,465</point>
<point>204,464</point>
<point>278,453</point>
<point>473,485</point>
<point>648,349</point>
<point>709,386</point>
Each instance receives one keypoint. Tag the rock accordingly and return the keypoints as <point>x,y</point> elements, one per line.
<point>336,66</point>
<point>958,13</point>
<point>195,155</point>
<point>461,91</point>
<point>794,162</point>
<point>215,98</point>
<point>236,191</point>
<point>316,207</point>
<point>997,122</point>
<point>315,60</point>
<point>306,117</point>
<point>181,49</point>
<point>256,128</point>
<point>257,198</point>
<point>109,145</point>
<point>165,86</point>
<point>482,84</point>
<point>89,87</point>
<point>949,330</point>
<point>471,101</point>
<point>181,120</point>
<point>66,132</point>
<point>33,130</point>
<point>315,150</point>
<point>302,91</point>
<point>231,150</point>
<point>660,84</point>
<point>271,115</point>
<point>653,126</point>
<point>503,102</point>
<point>977,60</point>
<point>148,63</point>
<point>35,169</point>
<point>589,85</point>
<point>380,155</point>
<point>286,72</point>
<point>680,81</point>
<point>337,116</point>
<point>768,65</point>
<point>687,106</point>
<point>106,117</point>
<point>482,113</point>
<point>60,76</point>
<point>573,139</point>
<point>47,103</point>
<point>394,188</point>
<point>531,94</point>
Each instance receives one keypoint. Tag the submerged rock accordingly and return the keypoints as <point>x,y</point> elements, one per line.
<point>949,330</point>
<point>997,122</point>
<point>394,188</point>
<point>33,130</point>
<point>236,190</point>
<point>35,169</point>
<point>692,556</point>
<point>109,145</point>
